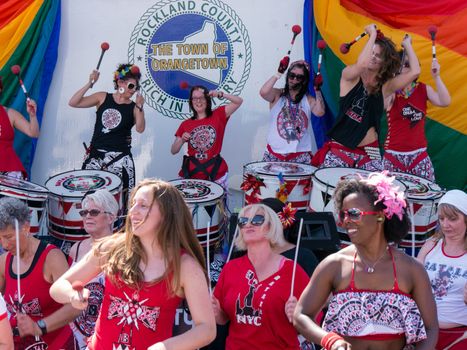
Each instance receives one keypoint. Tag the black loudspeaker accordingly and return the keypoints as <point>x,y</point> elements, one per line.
<point>319,233</point>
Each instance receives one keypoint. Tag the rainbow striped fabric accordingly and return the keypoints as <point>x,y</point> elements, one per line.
<point>341,21</point>
<point>29,33</point>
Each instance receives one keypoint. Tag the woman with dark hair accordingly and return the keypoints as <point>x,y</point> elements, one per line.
<point>381,297</point>
<point>116,114</point>
<point>204,133</point>
<point>291,136</point>
<point>38,322</point>
<point>11,119</point>
<point>363,89</point>
<point>445,260</point>
<point>149,268</point>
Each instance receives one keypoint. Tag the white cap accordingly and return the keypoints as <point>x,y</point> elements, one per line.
<point>456,198</point>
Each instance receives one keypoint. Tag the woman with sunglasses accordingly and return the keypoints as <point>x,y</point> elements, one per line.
<point>363,89</point>
<point>291,136</point>
<point>445,260</point>
<point>38,322</point>
<point>204,133</point>
<point>116,114</point>
<point>405,145</point>
<point>381,297</point>
<point>254,291</point>
<point>99,211</point>
<point>149,268</point>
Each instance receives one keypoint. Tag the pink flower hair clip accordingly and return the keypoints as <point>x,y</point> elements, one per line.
<point>388,194</point>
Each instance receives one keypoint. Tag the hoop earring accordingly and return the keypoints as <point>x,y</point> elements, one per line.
<point>121,89</point>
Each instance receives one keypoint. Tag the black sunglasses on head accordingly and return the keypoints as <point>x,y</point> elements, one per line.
<point>256,220</point>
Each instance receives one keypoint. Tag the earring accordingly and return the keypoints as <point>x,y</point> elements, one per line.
<point>380,219</point>
<point>121,89</point>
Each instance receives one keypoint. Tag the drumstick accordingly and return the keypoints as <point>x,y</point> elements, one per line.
<point>208,265</point>
<point>104,47</point>
<point>458,340</point>
<point>18,271</point>
<point>433,30</point>
<point>232,244</point>
<point>412,226</point>
<point>345,47</point>
<point>296,29</point>
<point>16,70</point>
<point>296,256</point>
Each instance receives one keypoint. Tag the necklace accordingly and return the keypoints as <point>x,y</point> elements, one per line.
<point>371,268</point>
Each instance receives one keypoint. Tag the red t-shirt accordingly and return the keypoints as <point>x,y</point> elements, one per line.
<point>206,140</point>
<point>9,160</point>
<point>134,319</point>
<point>256,309</point>
<point>36,301</point>
<point>406,121</point>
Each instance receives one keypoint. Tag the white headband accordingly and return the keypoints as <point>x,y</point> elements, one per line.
<point>456,198</point>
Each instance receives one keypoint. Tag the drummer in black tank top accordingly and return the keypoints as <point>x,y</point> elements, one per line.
<point>363,88</point>
<point>116,114</point>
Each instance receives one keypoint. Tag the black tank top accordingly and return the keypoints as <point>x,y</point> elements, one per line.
<point>358,112</point>
<point>112,130</point>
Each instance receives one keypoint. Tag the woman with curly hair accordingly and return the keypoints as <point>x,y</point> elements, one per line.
<point>381,297</point>
<point>363,89</point>
<point>116,114</point>
<point>148,270</point>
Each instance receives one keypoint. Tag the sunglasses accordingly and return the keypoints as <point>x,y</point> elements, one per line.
<point>256,220</point>
<point>354,214</point>
<point>92,212</point>
<point>131,86</point>
<point>298,77</point>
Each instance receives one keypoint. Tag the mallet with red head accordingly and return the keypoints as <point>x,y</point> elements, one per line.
<point>284,62</point>
<point>104,47</point>
<point>345,47</point>
<point>16,70</point>
<point>318,81</point>
<point>433,30</point>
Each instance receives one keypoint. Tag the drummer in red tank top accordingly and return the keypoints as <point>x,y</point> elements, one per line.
<point>42,321</point>
<point>148,269</point>
<point>10,164</point>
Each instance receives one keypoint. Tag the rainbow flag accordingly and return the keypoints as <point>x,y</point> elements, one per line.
<point>341,21</point>
<point>29,33</point>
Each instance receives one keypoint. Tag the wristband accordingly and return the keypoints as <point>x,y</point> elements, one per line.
<point>278,75</point>
<point>140,107</point>
<point>220,95</point>
<point>42,326</point>
<point>329,339</point>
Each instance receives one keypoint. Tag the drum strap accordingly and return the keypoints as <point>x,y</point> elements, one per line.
<point>421,156</point>
<point>199,167</point>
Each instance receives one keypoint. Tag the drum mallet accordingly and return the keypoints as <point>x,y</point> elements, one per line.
<point>433,30</point>
<point>345,47</point>
<point>318,81</point>
<point>208,263</point>
<point>104,47</point>
<point>18,266</point>
<point>16,70</point>
<point>284,62</point>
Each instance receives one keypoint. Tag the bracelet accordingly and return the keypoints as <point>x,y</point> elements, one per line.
<point>140,107</point>
<point>220,95</point>
<point>278,75</point>
<point>329,339</point>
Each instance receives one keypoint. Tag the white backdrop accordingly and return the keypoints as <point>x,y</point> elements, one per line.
<point>88,23</point>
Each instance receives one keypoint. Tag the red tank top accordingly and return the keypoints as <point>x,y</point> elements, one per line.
<point>406,121</point>
<point>134,319</point>
<point>35,299</point>
<point>9,161</point>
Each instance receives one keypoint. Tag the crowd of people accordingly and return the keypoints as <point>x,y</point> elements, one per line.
<point>121,290</point>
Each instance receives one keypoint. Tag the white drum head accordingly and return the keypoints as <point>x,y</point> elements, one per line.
<point>418,187</point>
<point>21,186</point>
<point>198,191</point>
<point>287,169</point>
<point>77,183</point>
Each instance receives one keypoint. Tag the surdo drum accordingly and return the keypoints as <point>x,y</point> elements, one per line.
<point>297,181</point>
<point>67,190</point>
<point>423,196</point>
<point>34,195</point>
<point>205,199</point>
